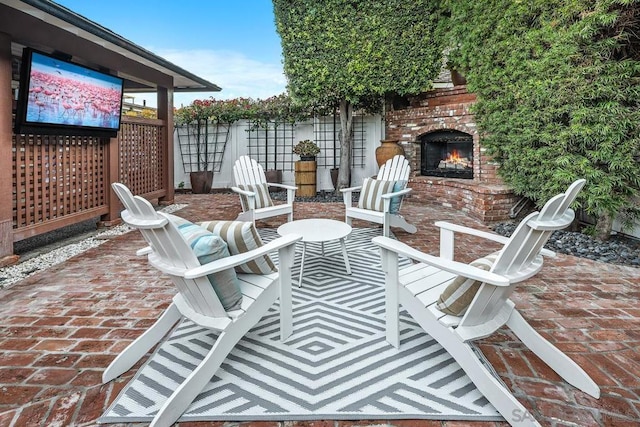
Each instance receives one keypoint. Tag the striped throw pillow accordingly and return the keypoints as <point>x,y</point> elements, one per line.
<point>457,297</point>
<point>371,191</point>
<point>208,247</point>
<point>241,237</point>
<point>263,198</point>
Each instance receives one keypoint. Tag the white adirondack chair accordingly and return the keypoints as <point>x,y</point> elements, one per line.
<point>197,301</point>
<point>247,171</point>
<point>394,169</point>
<point>418,287</point>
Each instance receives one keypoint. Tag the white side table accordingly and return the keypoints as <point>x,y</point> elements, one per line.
<point>318,230</point>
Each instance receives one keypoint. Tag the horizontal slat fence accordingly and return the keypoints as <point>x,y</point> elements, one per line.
<point>63,180</point>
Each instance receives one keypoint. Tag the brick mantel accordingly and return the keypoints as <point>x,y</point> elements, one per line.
<point>484,197</point>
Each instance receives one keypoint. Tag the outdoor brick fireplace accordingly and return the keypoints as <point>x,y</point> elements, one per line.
<point>449,166</point>
<point>447,153</point>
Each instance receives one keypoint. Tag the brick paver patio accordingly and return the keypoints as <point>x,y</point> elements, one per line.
<point>60,328</point>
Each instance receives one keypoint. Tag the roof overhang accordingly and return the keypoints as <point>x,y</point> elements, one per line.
<point>47,26</point>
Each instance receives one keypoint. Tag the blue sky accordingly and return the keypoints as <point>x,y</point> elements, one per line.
<point>232,43</point>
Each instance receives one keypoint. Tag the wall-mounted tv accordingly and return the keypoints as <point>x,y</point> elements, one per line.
<point>56,96</point>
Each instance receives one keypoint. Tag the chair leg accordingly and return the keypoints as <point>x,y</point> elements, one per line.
<point>509,407</point>
<point>556,359</point>
<point>504,401</point>
<point>142,344</point>
<point>392,303</point>
<point>399,221</point>
<point>386,229</point>
<point>347,219</point>
<point>182,397</point>
<point>185,394</point>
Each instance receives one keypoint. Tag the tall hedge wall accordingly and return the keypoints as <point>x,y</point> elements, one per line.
<point>558,95</point>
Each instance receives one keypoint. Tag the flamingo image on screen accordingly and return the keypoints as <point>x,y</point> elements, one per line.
<point>62,93</point>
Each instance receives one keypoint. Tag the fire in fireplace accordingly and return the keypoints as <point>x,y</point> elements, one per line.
<point>447,153</point>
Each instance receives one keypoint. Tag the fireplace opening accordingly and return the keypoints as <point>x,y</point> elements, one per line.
<point>447,153</point>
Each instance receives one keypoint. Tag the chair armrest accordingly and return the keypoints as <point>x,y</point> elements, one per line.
<point>351,189</point>
<point>291,191</point>
<point>235,260</point>
<point>141,222</point>
<point>443,225</point>
<point>472,231</point>
<point>386,199</point>
<point>144,251</point>
<point>347,198</point>
<point>451,266</point>
<point>397,193</point>
<point>287,187</point>
<point>243,192</point>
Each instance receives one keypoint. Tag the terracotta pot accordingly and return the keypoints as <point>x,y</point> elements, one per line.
<point>387,149</point>
<point>201,182</point>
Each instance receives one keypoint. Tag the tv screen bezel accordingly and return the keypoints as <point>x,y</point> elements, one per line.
<point>24,126</point>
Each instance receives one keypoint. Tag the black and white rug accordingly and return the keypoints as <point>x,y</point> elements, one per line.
<point>336,365</point>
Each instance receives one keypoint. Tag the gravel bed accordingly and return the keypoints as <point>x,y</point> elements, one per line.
<point>618,249</point>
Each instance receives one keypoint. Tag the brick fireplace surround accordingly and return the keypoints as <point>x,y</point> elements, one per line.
<point>484,197</point>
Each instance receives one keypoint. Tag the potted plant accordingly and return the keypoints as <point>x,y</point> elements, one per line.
<point>307,150</point>
<point>203,129</point>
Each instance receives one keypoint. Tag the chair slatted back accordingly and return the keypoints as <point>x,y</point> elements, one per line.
<point>125,196</point>
<point>521,258</point>
<point>246,171</point>
<point>171,253</point>
<point>395,169</point>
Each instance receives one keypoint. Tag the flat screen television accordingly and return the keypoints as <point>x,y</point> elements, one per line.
<point>56,96</point>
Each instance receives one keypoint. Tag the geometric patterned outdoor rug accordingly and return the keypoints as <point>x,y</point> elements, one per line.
<point>335,366</point>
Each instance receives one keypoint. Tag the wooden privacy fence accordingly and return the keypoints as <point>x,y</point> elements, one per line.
<point>143,161</point>
<point>63,180</point>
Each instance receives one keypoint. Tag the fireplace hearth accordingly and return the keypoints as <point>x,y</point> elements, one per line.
<point>447,153</point>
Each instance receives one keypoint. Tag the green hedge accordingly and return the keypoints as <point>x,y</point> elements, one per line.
<point>558,95</point>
